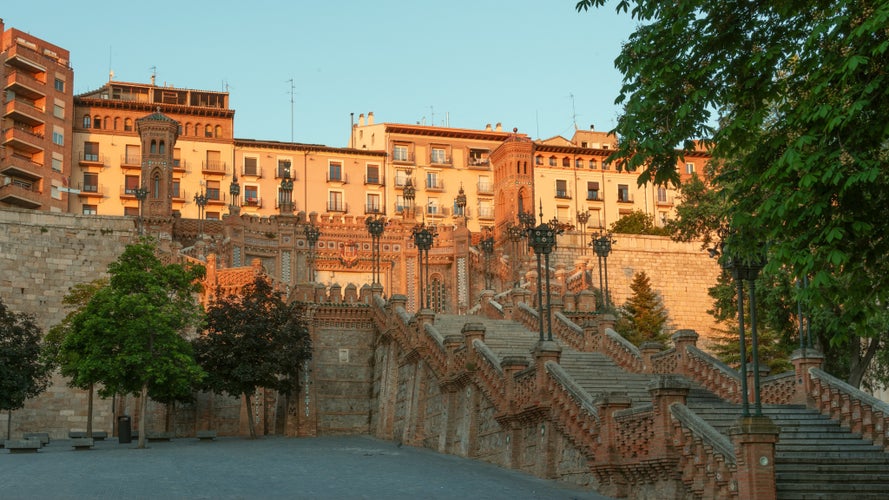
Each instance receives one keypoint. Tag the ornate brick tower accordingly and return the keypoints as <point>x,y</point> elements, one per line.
<point>158,134</point>
<point>513,164</point>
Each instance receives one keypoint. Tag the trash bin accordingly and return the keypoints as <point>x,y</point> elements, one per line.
<point>124,431</point>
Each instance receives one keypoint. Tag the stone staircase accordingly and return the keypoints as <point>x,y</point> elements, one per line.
<point>816,458</point>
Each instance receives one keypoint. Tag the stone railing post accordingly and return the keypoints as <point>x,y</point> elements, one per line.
<point>649,349</point>
<point>586,301</point>
<point>665,390</point>
<point>608,457</point>
<point>682,340</point>
<point>471,332</point>
<point>605,322</point>
<point>802,360</point>
<point>754,438</point>
<point>544,351</point>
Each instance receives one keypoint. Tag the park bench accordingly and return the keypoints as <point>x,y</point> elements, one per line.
<point>81,444</point>
<point>97,435</point>
<point>42,437</point>
<point>159,436</point>
<point>206,435</point>
<point>22,445</point>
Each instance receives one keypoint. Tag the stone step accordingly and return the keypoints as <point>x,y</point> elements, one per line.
<point>836,445</point>
<point>837,457</point>
<point>819,468</point>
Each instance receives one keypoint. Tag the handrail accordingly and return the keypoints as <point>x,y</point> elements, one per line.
<point>713,438</point>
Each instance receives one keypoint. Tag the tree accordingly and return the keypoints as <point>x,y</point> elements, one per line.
<point>130,338</point>
<point>68,361</point>
<point>23,372</point>
<point>638,222</point>
<point>790,97</point>
<point>253,340</point>
<point>643,316</point>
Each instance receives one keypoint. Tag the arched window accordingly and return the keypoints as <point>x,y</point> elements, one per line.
<point>153,148</point>
<point>161,149</point>
<point>526,168</point>
<point>107,122</point>
<point>97,122</point>
<point>128,124</point>
<point>86,121</point>
<point>518,167</point>
<point>116,123</point>
<point>208,130</point>
<point>197,129</point>
<point>437,297</point>
<point>157,186</point>
<point>218,131</point>
<point>593,164</point>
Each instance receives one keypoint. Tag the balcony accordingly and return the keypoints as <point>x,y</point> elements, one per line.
<point>374,180</point>
<point>337,206</point>
<point>485,188</point>
<point>214,197</point>
<point>403,157</point>
<point>434,185</point>
<point>593,196</point>
<point>665,201</point>
<point>90,190</point>
<point>341,178</point>
<point>180,165</point>
<point>563,195</point>
<point>373,209</point>
<point>25,58</point>
<point>437,211</point>
<point>24,84</point>
<point>623,197</point>
<point>479,163</point>
<point>20,193</point>
<point>24,111</point>
<point>22,139</point>
<point>91,159</point>
<point>16,166</point>
<point>130,161</point>
<point>253,171</point>
<point>252,202</point>
<point>400,182</point>
<point>441,160</point>
<point>486,213</point>
<point>214,167</point>
<point>280,171</point>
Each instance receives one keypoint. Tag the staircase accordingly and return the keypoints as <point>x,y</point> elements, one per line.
<point>815,457</point>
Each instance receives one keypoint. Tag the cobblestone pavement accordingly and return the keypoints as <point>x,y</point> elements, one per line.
<point>272,467</point>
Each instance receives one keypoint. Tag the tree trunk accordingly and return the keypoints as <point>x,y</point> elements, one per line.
<point>143,407</point>
<point>212,410</point>
<point>89,413</point>
<point>8,424</point>
<point>858,361</point>
<point>249,403</point>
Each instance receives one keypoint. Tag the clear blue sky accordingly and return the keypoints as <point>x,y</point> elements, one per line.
<point>470,62</point>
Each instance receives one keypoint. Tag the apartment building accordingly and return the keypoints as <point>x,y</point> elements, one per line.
<point>35,149</point>
<point>108,152</point>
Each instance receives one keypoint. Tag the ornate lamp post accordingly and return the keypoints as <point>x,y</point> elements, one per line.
<point>461,203</point>
<point>423,238</point>
<point>515,233</point>
<point>375,226</point>
<point>200,199</point>
<point>312,235</point>
<point>582,218</point>
<point>602,246</point>
<point>409,193</point>
<point>542,239</point>
<point>487,245</point>
<point>141,193</point>
<point>235,191</point>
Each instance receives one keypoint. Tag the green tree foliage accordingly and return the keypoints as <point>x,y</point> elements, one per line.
<point>23,372</point>
<point>643,317</point>
<point>253,340</point>
<point>638,222</point>
<point>791,98</point>
<point>67,361</point>
<point>130,335</point>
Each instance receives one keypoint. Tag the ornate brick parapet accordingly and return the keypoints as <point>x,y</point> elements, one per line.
<point>754,438</point>
<point>802,360</point>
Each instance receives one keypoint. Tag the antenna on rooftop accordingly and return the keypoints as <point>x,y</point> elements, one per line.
<point>153,74</point>
<point>110,70</point>
<point>292,89</point>
<point>573,112</point>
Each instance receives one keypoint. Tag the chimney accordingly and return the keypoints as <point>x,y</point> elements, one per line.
<point>361,120</point>
<point>370,118</point>
<point>592,127</point>
<point>498,127</point>
<point>488,127</point>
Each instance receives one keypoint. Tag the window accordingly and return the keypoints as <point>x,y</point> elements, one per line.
<point>90,182</point>
<point>552,161</point>
<point>400,178</point>
<point>58,111</point>
<point>131,183</point>
<point>478,157</point>
<point>561,189</point>
<point>177,157</point>
<point>128,124</point>
<point>131,211</point>
<point>59,84</point>
<point>250,167</point>
<point>566,162</point>
<point>485,186</point>
<point>593,164</point>
<point>56,164</point>
<point>208,131</point>
<point>176,191</point>
<point>592,190</point>
<point>214,161</point>
<point>213,190</point>
<point>217,131</point>
<point>432,181</point>
<point>399,203</point>
<point>86,121</point>
<point>91,151</point>
<point>606,165</point>
<point>58,138</point>
<point>485,210</point>
<point>335,171</point>
<point>211,215</point>
<point>90,210</point>
<point>373,174</point>
<point>689,168</point>
<point>661,194</point>
<point>97,122</point>
<point>335,201</point>
<point>439,155</point>
<point>538,160</point>
<point>251,196</point>
<point>432,207</point>
<point>373,203</point>
<point>623,193</point>
<point>283,168</point>
<point>578,163</point>
<point>132,154</point>
<point>400,153</point>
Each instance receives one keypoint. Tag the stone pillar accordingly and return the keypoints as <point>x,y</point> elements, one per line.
<point>586,301</point>
<point>544,351</point>
<point>802,360</point>
<point>609,461</point>
<point>606,321</point>
<point>649,349</point>
<point>754,438</point>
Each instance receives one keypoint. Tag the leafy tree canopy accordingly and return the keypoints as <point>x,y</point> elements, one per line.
<point>638,222</point>
<point>23,372</point>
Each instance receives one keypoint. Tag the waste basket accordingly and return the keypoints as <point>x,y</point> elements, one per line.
<point>124,431</point>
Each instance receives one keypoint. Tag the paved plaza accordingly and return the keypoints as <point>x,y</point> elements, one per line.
<point>271,467</point>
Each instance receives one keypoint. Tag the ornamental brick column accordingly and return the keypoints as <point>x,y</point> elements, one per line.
<point>802,360</point>
<point>665,390</point>
<point>608,466</point>
<point>754,438</point>
<point>544,351</point>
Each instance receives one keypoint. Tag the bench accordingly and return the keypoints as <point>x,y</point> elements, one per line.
<point>22,445</point>
<point>159,436</point>
<point>81,444</point>
<point>97,435</point>
<point>42,437</point>
<point>206,435</point>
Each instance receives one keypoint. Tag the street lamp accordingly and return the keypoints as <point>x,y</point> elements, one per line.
<point>515,233</point>
<point>542,239</point>
<point>487,245</point>
<point>200,200</point>
<point>602,246</point>
<point>461,203</point>
<point>312,234</point>
<point>141,193</point>
<point>423,238</point>
<point>375,226</point>
<point>582,218</point>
